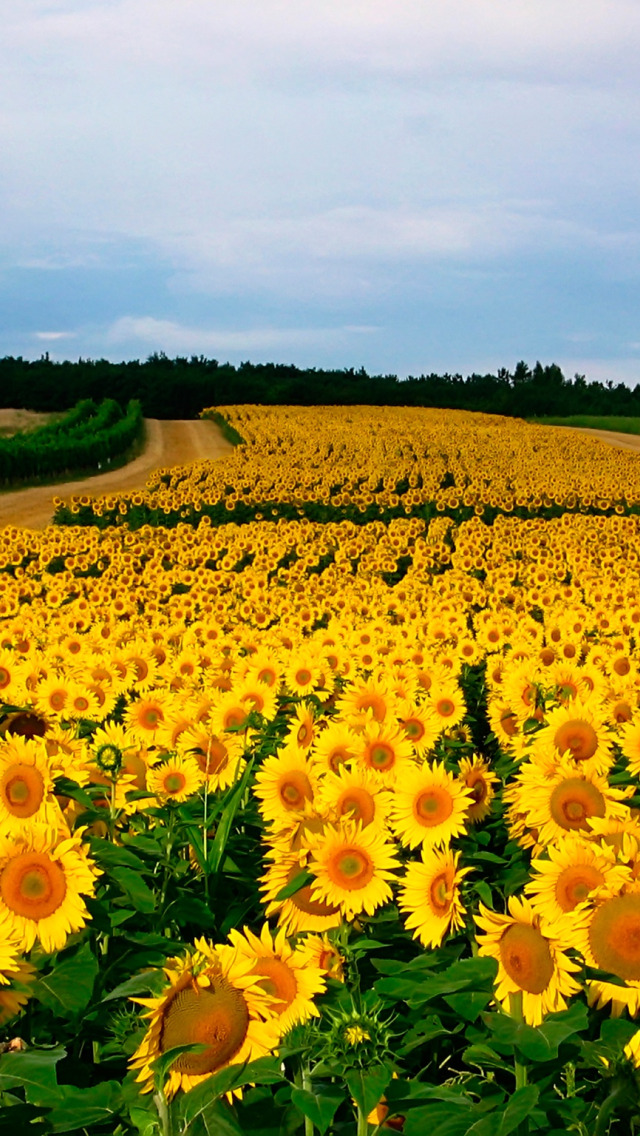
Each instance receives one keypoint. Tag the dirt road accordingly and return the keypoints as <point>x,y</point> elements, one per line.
<point>623,441</point>
<point>167,443</point>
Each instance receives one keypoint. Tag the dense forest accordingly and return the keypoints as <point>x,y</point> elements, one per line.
<point>181,387</point>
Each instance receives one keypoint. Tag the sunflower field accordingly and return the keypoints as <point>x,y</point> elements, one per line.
<point>320,789</point>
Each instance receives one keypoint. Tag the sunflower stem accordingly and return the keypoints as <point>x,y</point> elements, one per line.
<point>607,1109</point>
<point>307,1084</point>
<point>163,1112</point>
<point>363,1123</point>
<point>519,1068</point>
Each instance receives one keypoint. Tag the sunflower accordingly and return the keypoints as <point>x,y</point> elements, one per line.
<point>385,751</point>
<point>447,702</point>
<point>175,779</point>
<point>11,678</point>
<point>303,728</point>
<point>143,717</point>
<point>630,745</point>
<point>42,881</point>
<point>356,794</point>
<point>219,758</point>
<point>17,982</point>
<point>573,869</point>
<point>420,724</point>
<point>608,933</point>
<point>577,732</point>
<point>564,801</point>
<point>430,895</point>
<point>285,784</point>
<point>334,746</point>
<point>352,867</point>
<point>531,957</point>
<point>26,786</point>
<point>324,954</point>
<point>299,912</point>
<point>430,806</point>
<point>212,998</point>
<point>302,673</point>
<point>52,695</point>
<point>284,973</point>
<point>365,699</point>
<point>476,775</point>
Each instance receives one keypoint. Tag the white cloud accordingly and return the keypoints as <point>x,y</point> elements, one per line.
<point>53,335</point>
<point>169,336</point>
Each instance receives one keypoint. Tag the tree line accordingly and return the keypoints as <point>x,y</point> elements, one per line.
<point>182,387</point>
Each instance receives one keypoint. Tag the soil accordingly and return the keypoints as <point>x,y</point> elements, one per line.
<point>19,421</point>
<point>167,443</point>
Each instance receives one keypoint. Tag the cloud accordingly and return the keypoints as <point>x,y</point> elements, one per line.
<point>171,337</point>
<point>54,335</point>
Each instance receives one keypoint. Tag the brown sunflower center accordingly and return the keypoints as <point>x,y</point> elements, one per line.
<point>351,868</point>
<point>217,1017</point>
<point>525,955</point>
<point>381,755</point>
<point>279,981</point>
<point>22,790</point>
<point>33,885</point>
<point>174,782</point>
<point>440,892</point>
<point>295,788</point>
<point>508,723</point>
<point>433,807</point>
<point>303,899</point>
<point>614,936</point>
<point>357,803</point>
<point>303,676</point>
<point>578,737</point>
<point>414,729</point>
<point>445,707</point>
<point>57,699</point>
<point>573,801</point>
<point>5,677</point>
<point>574,884</point>
<point>479,790</point>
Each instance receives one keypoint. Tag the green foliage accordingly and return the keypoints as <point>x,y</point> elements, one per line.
<point>88,437</point>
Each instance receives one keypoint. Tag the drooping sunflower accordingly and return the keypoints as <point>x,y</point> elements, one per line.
<point>299,912</point>
<point>175,779</point>
<point>303,728</point>
<point>352,867</point>
<point>430,895</point>
<point>214,999</point>
<point>574,867</point>
<point>430,806</point>
<point>42,881</point>
<point>26,786</point>
<point>285,784</point>
<point>531,957</point>
<point>283,973</point>
<point>476,775</point>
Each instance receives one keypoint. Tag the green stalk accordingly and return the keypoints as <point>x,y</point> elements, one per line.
<point>607,1109</point>
<point>363,1123</point>
<point>307,1084</point>
<point>164,1114</point>
<point>519,1068</point>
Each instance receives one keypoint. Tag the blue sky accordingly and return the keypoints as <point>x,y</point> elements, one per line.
<point>406,185</point>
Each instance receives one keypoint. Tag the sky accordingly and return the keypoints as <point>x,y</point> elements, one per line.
<point>404,185</point>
